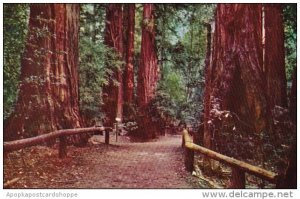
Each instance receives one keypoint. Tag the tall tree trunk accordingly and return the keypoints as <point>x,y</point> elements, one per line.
<point>208,59</point>
<point>113,94</point>
<point>129,22</point>
<point>234,78</point>
<point>163,40</point>
<point>274,56</point>
<point>48,98</point>
<point>148,70</point>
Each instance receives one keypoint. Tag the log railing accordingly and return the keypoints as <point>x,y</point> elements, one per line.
<point>61,134</point>
<point>239,167</point>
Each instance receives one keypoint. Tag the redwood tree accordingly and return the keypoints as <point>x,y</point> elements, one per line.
<point>234,78</point>
<point>48,96</point>
<point>148,71</point>
<point>274,56</point>
<point>129,22</point>
<point>113,94</point>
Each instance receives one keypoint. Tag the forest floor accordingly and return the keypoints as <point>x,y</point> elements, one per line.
<point>123,164</point>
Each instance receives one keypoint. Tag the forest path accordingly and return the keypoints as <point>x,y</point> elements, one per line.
<point>122,164</point>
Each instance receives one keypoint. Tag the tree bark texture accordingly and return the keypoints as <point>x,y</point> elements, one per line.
<point>208,69</point>
<point>48,99</point>
<point>238,180</point>
<point>129,23</point>
<point>148,71</point>
<point>208,43</point>
<point>293,98</point>
<point>113,94</point>
<point>234,78</point>
<point>289,180</point>
<point>274,56</point>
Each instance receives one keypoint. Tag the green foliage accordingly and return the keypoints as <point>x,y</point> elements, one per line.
<point>173,85</point>
<point>97,61</point>
<point>138,28</point>
<point>269,150</point>
<point>181,42</point>
<point>170,94</point>
<point>15,23</point>
<point>92,22</point>
<point>95,73</point>
<point>290,31</point>
<point>91,75</point>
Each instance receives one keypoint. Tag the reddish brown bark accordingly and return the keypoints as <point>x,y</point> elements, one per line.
<point>293,98</point>
<point>234,79</point>
<point>129,22</point>
<point>208,75</point>
<point>208,43</point>
<point>289,180</point>
<point>113,94</point>
<point>148,70</point>
<point>274,56</point>
<point>48,98</point>
<point>237,179</point>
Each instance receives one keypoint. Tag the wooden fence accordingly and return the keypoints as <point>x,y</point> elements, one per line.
<point>61,134</point>
<point>239,168</point>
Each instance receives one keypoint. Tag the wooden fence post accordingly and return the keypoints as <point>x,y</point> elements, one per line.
<point>106,136</point>
<point>238,180</point>
<point>62,147</point>
<point>189,159</point>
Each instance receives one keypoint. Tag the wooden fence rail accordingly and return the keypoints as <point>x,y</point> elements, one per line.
<point>236,165</point>
<point>61,134</point>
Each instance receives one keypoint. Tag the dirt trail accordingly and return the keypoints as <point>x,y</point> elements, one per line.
<point>156,164</point>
